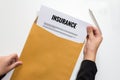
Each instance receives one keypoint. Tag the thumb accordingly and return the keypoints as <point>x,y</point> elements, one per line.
<point>15,64</point>
<point>13,61</point>
<point>90,32</point>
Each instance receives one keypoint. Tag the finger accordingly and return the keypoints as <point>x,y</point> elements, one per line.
<point>13,56</point>
<point>15,64</point>
<point>90,31</point>
<point>97,32</point>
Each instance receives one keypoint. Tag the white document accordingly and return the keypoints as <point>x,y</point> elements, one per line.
<point>62,25</point>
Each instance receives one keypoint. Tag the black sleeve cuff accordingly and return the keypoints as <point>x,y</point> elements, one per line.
<point>89,65</point>
<point>87,70</point>
<point>2,76</point>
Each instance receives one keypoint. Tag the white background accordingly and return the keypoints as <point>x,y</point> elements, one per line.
<point>17,16</point>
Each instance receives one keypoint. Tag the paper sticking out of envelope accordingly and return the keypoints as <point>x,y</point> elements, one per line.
<point>52,47</point>
<point>62,25</point>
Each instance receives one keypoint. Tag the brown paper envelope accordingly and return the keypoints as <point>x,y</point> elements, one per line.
<point>47,57</point>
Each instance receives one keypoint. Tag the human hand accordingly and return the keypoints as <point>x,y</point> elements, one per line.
<point>93,40</point>
<point>8,63</point>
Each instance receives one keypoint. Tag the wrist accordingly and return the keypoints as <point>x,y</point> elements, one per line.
<point>91,57</point>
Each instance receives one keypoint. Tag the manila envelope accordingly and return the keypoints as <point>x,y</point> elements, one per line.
<point>46,56</point>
